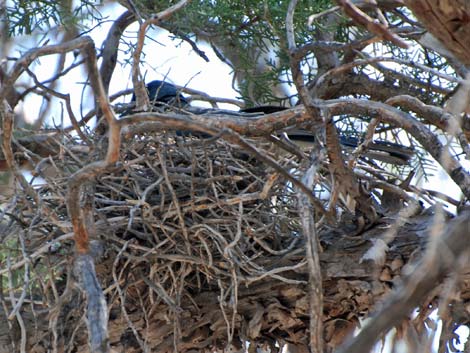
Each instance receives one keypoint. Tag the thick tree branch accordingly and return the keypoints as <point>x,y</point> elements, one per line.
<point>312,255</point>
<point>109,52</point>
<point>435,116</point>
<point>448,21</point>
<point>454,246</point>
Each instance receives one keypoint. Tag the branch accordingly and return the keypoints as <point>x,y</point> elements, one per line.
<point>12,95</point>
<point>97,318</point>
<point>372,25</point>
<point>312,255</point>
<point>111,45</point>
<point>212,123</point>
<point>454,245</point>
<point>344,181</point>
<point>435,116</point>
<point>294,61</point>
<point>33,54</point>
<point>7,118</point>
<point>420,132</point>
<point>142,99</point>
<point>97,314</point>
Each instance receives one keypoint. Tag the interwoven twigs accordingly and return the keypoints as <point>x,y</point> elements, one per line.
<point>176,219</point>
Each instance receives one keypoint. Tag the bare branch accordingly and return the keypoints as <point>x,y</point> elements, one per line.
<point>313,250</point>
<point>364,20</point>
<point>111,45</point>
<point>142,100</point>
<point>435,116</point>
<point>454,245</point>
<point>419,131</point>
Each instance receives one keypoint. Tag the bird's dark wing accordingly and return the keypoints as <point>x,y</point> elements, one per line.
<point>266,109</point>
<point>385,151</point>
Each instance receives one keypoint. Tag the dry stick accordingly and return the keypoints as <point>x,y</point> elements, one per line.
<point>109,52</point>
<point>313,249</point>
<point>18,316</point>
<point>122,300</point>
<point>307,216</point>
<point>97,315</point>
<point>94,169</point>
<point>454,245</point>
<point>142,98</point>
<point>344,182</point>
<point>435,116</point>
<point>337,71</point>
<point>245,125</point>
<point>35,53</point>
<point>7,117</point>
<point>66,98</point>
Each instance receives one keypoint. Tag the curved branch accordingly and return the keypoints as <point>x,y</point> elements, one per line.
<point>92,170</point>
<point>393,116</point>
<point>455,243</point>
<point>97,315</point>
<point>31,55</point>
<point>109,52</point>
<point>435,116</point>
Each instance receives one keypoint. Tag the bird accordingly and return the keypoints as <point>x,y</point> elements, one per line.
<point>162,92</point>
<point>384,151</point>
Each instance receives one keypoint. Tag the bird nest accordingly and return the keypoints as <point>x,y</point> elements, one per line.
<point>196,245</point>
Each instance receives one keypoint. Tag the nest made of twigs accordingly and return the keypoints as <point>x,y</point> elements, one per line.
<point>196,243</point>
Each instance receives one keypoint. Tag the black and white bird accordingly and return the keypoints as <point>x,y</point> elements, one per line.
<point>165,93</point>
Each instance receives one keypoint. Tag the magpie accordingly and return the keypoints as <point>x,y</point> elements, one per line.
<point>165,93</point>
<point>384,151</point>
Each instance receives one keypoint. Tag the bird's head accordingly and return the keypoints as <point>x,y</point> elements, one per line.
<point>164,92</point>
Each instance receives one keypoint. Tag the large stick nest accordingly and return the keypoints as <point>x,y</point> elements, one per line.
<point>197,244</point>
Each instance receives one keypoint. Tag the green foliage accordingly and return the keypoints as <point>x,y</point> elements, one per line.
<point>255,30</point>
<point>26,17</point>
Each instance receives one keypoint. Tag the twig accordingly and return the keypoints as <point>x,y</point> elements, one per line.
<point>419,131</point>
<point>364,20</point>
<point>111,45</point>
<point>122,299</point>
<point>142,99</point>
